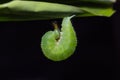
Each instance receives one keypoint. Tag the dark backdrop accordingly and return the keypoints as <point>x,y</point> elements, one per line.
<point>97,52</point>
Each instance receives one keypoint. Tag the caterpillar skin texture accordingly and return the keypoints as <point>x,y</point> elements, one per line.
<point>58,46</point>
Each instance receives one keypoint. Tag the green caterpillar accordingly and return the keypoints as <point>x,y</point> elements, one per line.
<point>59,45</point>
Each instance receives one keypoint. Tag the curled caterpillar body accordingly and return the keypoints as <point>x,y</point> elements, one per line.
<point>59,45</point>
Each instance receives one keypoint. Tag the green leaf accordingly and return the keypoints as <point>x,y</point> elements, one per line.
<point>99,11</point>
<point>33,10</point>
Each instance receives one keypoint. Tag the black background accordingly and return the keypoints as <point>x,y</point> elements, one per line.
<point>96,57</point>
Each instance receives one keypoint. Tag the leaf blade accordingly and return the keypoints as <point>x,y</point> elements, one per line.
<point>33,10</point>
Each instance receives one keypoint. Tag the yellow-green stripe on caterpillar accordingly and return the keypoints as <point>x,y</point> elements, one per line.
<point>59,45</point>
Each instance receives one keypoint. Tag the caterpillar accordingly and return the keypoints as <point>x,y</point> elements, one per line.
<point>59,45</point>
